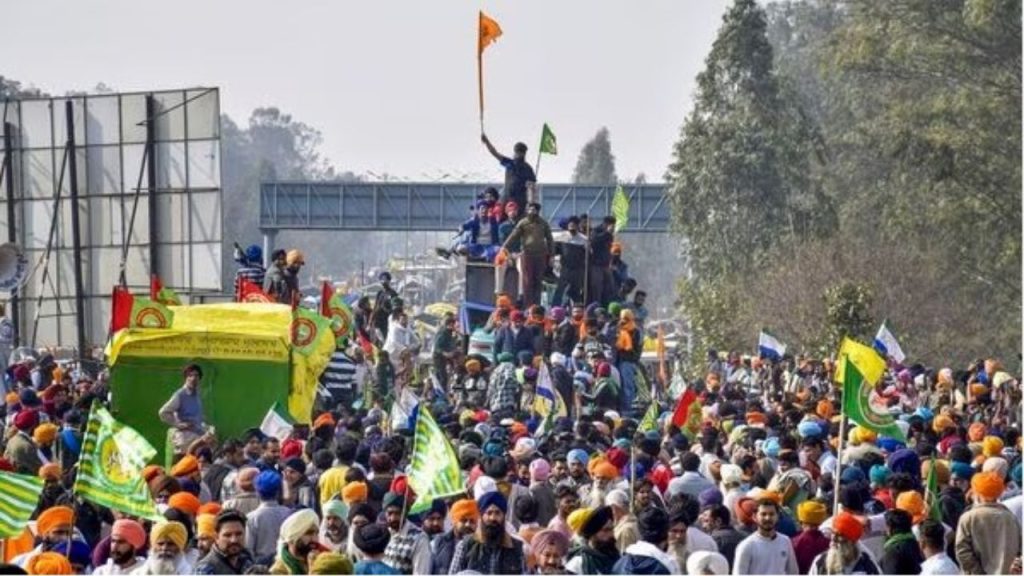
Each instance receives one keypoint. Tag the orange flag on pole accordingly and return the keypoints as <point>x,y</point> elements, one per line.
<point>662,372</point>
<point>489,32</point>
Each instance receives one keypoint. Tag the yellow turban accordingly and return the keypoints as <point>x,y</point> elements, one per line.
<point>50,471</point>
<point>53,518</point>
<point>578,518</point>
<point>942,421</point>
<point>45,433</point>
<point>173,531</point>
<point>48,563</point>
<point>332,481</point>
<point>912,503</point>
<point>206,525</point>
<point>811,512</point>
<point>992,446</point>
<point>354,492</point>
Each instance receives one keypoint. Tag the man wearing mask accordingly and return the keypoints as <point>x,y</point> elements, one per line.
<point>299,535</point>
<point>184,411</point>
<point>537,244</point>
<point>228,555</point>
<point>765,551</point>
<point>519,174</point>
<point>491,550</point>
<point>464,516</point>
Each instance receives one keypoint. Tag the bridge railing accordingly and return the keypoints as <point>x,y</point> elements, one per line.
<point>402,206</point>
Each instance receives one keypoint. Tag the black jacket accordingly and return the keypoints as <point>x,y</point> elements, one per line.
<point>216,563</point>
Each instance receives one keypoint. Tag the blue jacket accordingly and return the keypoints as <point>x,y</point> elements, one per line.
<point>633,564</point>
<point>473,227</point>
<point>506,341</point>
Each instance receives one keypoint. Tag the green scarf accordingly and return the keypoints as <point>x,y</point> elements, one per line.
<point>897,539</point>
<point>294,565</point>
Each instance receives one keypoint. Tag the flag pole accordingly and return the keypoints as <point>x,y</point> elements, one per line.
<point>405,497</point>
<point>842,440</point>
<point>632,478</point>
<point>480,83</point>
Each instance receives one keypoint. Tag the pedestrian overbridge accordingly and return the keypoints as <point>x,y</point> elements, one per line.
<point>436,206</point>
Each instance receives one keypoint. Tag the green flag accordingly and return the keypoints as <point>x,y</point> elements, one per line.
<point>548,143</point>
<point>19,496</point>
<point>434,467</point>
<point>620,208</point>
<point>306,328</point>
<point>932,492</point>
<point>110,466</point>
<point>148,313</point>
<point>857,403</point>
<point>650,420</point>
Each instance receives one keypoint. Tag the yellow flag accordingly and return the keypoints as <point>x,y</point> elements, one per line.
<point>868,362</point>
<point>489,32</point>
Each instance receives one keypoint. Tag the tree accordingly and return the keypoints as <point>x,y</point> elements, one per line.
<point>738,182</point>
<point>596,164</point>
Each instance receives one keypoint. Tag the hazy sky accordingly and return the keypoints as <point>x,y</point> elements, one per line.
<point>392,85</point>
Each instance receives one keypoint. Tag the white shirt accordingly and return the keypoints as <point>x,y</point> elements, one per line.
<point>939,564</point>
<point>111,569</point>
<point>697,539</point>
<point>760,555</point>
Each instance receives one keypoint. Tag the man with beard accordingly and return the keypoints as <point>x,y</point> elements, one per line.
<point>464,516</point>
<point>409,548</point>
<point>127,537</point>
<point>206,533</point>
<point>677,540</point>
<point>167,542</point>
<point>270,454</point>
<point>53,526</point>
<point>568,501</point>
<point>765,551</point>
<point>433,519</point>
<point>648,556</point>
<point>333,529</point>
<point>844,556</point>
<point>491,550</point>
<point>549,548</point>
<point>598,554</point>
<point>228,554</point>
<point>253,448</point>
<point>298,539</point>
<point>577,461</point>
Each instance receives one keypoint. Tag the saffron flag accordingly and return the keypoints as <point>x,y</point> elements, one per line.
<point>338,312</point>
<point>885,342</point>
<point>110,466</point>
<point>161,294</point>
<point>433,466</point>
<point>548,143</point>
<point>620,208</point>
<point>859,406</point>
<point>249,291</point>
<point>128,311</point>
<point>19,496</point>
<point>489,31</point>
<point>682,411</point>
<point>770,347</point>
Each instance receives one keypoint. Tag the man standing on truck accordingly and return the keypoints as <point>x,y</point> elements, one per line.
<point>537,244</point>
<point>518,172</point>
<point>184,411</point>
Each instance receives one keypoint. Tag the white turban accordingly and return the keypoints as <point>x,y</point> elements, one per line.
<point>296,525</point>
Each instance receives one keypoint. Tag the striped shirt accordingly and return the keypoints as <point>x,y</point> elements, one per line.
<point>254,273</point>
<point>339,375</point>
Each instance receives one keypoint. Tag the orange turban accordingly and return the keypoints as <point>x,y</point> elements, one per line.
<point>464,509</point>
<point>50,471</point>
<point>355,492</point>
<point>325,419</point>
<point>942,421</point>
<point>992,446</point>
<point>978,389</point>
<point>771,495</point>
<point>210,508</point>
<point>48,563</point>
<point>53,517</point>
<point>186,502</point>
<point>988,485</point>
<point>206,525</point>
<point>912,503</point>
<point>45,433</point>
<point>756,418</point>
<point>187,465</point>
<point>848,526</point>
<point>824,409</point>
<point>745,509</point>
<point>606,471</point>
<point>976,432</point>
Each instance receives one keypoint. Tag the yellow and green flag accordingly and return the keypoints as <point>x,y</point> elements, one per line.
<point>434,467</point>
<point>857,404</point>
<point>620,208</point>
<point>650,420</point>
<point>19,496</point>
<point>548,143</point>
<point>110,466</point>
<point>867,360</point>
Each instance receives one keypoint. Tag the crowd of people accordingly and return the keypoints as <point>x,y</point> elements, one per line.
<point>764,477</point>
